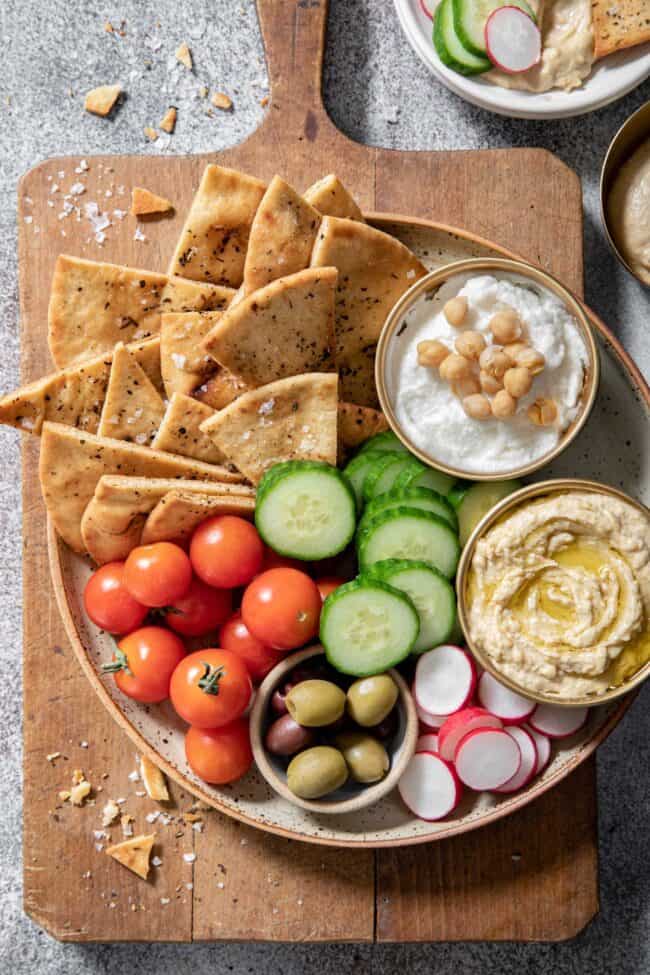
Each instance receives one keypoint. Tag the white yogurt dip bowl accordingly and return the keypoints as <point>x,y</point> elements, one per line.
<point>427,411</point>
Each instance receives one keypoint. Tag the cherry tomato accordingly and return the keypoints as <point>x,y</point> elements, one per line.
<point>200,610</point>
<point>226,551</point>
<point>209,688</point>
<point>158,574</point>
<point>144,662</point>
<point>219,755</point>
<point>108,603</point>
<point>282,608</point>
<point>274,561</point>
<point>234,635</point>
<point>327,584</point>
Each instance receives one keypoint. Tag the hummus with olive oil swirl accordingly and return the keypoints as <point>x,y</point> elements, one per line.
<point>559,594</point>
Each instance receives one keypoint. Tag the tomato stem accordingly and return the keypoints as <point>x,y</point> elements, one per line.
<point>209,683</point>
<point>119,663</point>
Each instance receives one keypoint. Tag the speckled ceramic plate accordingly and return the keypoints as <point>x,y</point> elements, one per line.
<point>614,447</point>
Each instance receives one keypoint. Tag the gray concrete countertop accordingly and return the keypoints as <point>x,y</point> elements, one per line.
<point>377,92</point>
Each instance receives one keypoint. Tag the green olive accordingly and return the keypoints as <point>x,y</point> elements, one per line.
<point>315,703</point>
<point>366,758</point>
<point>316,771</point>
<point>371,699</point>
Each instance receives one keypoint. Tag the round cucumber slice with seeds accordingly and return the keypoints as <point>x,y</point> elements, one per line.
<point>419,475</point>
<point>383,474</point>
<point>477,502</point>
<point>409,533</point>
<point>386,440</point>
<point>368,626</point>
<point>422,498</point>
<point>358,468</point>
<point>449,47</point>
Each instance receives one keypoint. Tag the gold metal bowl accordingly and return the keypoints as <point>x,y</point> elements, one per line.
<point>513,501</point>
<point>430,283</point>
<point>634,131</point>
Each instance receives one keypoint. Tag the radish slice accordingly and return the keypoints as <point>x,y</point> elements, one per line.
<point>445,679</point>
<point>557,722</point>
<point>528,766</point>
<point>513,40</point>
<point>425,9</point>
<point>543,746</point>
<point>460,724</point>
<point>430,721</point>
<point>430,787</point>
<point>427,743</point>
<point>511,707</point>
<point>487,758</point>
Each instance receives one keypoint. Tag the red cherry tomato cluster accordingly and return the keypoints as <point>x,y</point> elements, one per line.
<point>191,596</point>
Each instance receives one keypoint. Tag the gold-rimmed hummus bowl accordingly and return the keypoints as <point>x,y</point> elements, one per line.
<point>554,592</point>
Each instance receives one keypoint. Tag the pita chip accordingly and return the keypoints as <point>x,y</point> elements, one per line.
<point>144,203</point>
<point>184,362</point>
<point>619,24</point>
<point>284,329</point>
<point>356,424</point>
<point>219,389</point>
<point>72,462</point>
<point>374,271</point>
<point>133,408</point>
<point>176,516</point>
<point>291,419</point>
<point>330,197</point>
<point>134,854</point>
<point>213,242</point>
<point>153,779</point>
<point>282,236</point>
<point>101,101</point>
<point>180,432</point>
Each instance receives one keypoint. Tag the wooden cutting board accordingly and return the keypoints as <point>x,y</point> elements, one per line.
<point>528,877</point>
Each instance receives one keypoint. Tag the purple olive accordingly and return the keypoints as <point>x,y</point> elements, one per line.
<point>386,728</point>
<point>286,737</point>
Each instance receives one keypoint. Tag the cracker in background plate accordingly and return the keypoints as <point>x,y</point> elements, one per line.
<point>282,236</point>
<point>375,269</point>
<point>176,516</point>
<point>619,24</point>
<point>330,197</point>
<point>133,409</point>
<point>291,419</point>
<point>284,329</point>
<point>72,462</point>
<point>356,424</point>
<point>180,432</point>
<point>213,242</point>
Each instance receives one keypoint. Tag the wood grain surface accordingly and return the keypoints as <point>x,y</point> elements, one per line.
<point>528,877</point>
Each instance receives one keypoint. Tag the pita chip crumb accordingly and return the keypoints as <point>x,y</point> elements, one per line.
<point>80,792</point>
<point>134,854</point>
<point>184,55</point>
<point>168,123</point>
<point>150,133</point>
<point>100,101</point>
<point>144,202</point>
<point>222,101</point>
<point>110,812</point>
<point>154,780</point>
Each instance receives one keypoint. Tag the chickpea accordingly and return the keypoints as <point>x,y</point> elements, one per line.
<point>503,404</point>
<point>470,344</point>
<point>505,326</point>
<point>543,412</point>
<point>455,311</point>
<point>515,350</point>
<point>495,362</point>
<point>455,367</point>
<point>432,352</point>
<point>489,384</point>
<point>466,387</point>
<point>477,406</point>
<point>517,381</point>
<point>525,355</point>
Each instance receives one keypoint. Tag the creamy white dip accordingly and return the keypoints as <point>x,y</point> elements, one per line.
<point>432,416</point>
<point>628,211</point>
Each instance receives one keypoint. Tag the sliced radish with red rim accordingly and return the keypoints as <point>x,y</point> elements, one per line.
<point>430,787</point>
<point>543,746</point>
<point>528,766</point>
<point>424,5</point>
<point>460,724</point>
<point>427,743</point>
<point>513,40</point>
<point>487,758</point>
<point>430,721</point>
<point>511,707</point>
<point>445,679</point>
<point>557,722</point>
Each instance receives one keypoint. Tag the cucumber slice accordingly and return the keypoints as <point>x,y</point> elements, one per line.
<point>357,469</point>
<point>470,18</point>
<point>386,440</point>
<point>448,45</point>
<point>457,493</point>
<point>422,498</point>
<point>409,533</point>
<point>431,594</point>
<point>383,474</point>
<point>477,502</point>
<point>419,475</point>
<point>367,626</point>
<point>306,511</point>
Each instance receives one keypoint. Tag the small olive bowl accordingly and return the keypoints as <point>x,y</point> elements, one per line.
<point>634,131</point>
<point>430,284</point>
<point>352,796</point>
<point>531,493</point>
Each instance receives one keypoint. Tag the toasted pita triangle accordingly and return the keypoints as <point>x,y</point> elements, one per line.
<point>185,364</point>
<point>355,425</point>
<point>94,305</point>
<point>213,242</point>
<point>72,462</point>
<point>619,25</point>
<point>114,517</point>
<point>374,271</point>
<point>134,854</point>
<point>144,202</point>
<point>73,396</point>
<point>284,329</point>
<point>291,419</point>
<point>153,779</point>
<point>179,431</point>
<point>176,516</point>
<point>330,197</point>
<point>282,236</point>
<point>133,409</point>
